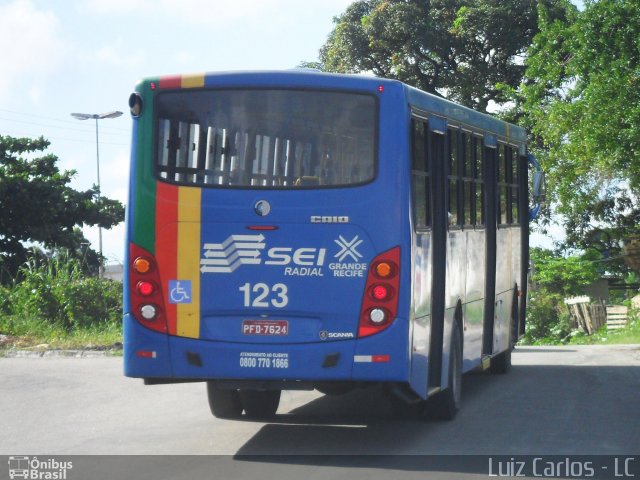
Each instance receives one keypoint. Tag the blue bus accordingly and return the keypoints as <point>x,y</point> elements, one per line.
<point>304,230</point>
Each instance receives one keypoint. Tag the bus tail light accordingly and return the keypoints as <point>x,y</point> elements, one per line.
<point>378,316</point>
<point>142,265</point>
<point>380,300</point>
<point>146,298</point>
<point>383,269</point>
<point>145,289</point>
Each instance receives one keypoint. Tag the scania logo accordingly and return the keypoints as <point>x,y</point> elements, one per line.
<point>324,335</point>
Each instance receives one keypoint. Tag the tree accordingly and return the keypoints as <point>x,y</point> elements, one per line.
<point>555,278</point>
<point>39,207</point>
<point>581,100</point>
<point>467,50</point>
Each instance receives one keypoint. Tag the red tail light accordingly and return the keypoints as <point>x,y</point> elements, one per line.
<point>381,292</point>
<point>145,288</point>
<point>146,298</point>
<point>380,301</point>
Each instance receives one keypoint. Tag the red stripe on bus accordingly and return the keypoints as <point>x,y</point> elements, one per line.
<point>171,81</point>
<point>167,245</point>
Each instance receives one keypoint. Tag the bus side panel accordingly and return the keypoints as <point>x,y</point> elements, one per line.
<point>474,297</point>
<point>143,195</point>
<point>126,299</point>
<point>371,353</point>
<point>516,273</point>
<point>456,268</point>
<point>394,171</point>
<point>422,279</point>
<point>420,355</point>
<point>131,203</point>
<point>146,353</point>
<point>449,318</point>
<point>454,272</point>
<point>504,289</point>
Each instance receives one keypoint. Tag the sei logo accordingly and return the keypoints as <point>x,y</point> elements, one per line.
<point>305,257</point>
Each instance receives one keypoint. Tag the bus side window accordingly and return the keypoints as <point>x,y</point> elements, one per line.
<point>503,218</point>
<point>515,186</point>
<point>163,147</point>
<point>454,178</point>
<point>468,185</point>
<point>420,175</point>
<point>478,161</point>
<point>509,188</point>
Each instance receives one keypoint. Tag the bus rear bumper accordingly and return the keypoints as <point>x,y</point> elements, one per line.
<point>370,359</point>
<point>146,353</point>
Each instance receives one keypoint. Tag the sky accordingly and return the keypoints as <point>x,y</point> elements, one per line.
<point>87,55</point>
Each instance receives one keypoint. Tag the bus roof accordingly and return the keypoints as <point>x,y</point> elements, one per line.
<point>310,78</point>
<point>463,115</point>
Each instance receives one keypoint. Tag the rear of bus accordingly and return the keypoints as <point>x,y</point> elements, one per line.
<point>265,234</point>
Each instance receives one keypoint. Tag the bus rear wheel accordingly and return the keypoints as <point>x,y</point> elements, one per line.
<point>223,403</point>
<point>260,403</point>
<point>445,405</point>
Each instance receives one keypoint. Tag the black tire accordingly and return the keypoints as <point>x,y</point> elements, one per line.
<point>445,405</point>
<point>260,403</point>
<point>223,403</point>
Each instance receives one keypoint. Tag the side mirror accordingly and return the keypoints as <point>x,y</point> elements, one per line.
<point>539,187</point>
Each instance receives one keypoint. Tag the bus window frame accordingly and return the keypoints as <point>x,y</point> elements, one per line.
<point>455,130</point>
<point>375,152</point>
<point>476,179</point>
<point>481,140</point>
<point>508,184</point>
<point>426,174</point>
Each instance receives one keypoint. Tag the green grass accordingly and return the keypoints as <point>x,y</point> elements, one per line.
<point>628,335</point>
<point>35,334</point>
<point>52,304</point>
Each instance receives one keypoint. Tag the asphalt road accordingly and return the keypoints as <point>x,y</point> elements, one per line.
<point>555,401</point>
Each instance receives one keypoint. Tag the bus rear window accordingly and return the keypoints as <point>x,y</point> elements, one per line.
<point>265,138</point>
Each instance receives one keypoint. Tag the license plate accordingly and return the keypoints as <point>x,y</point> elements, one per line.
<point>265,327</point>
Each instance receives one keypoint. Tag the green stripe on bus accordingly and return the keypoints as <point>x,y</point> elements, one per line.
<point>145,186</point>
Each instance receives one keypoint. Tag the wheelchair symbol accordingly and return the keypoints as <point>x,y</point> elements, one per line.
<point>180,291</point>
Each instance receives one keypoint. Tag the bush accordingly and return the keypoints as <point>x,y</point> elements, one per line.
<point>56,291</point>
<point>548,319</point>
<point>555,278</point>
<point>92,301</point>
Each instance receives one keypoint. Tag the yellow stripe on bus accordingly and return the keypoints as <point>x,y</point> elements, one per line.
<point>188,322</point>
<point>193,81</point>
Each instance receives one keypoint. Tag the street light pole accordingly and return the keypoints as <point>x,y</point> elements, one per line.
<point>96,117</point>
